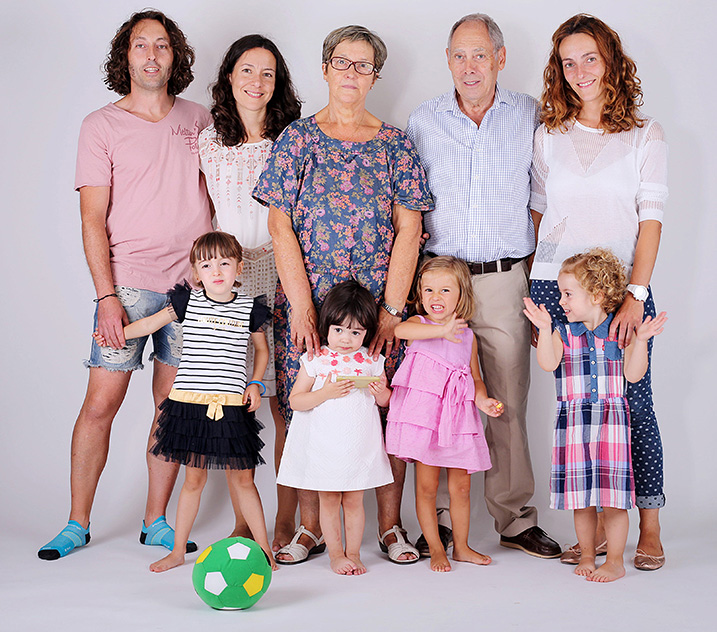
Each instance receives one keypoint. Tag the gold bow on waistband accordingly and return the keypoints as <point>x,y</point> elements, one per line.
<point>213,401</point>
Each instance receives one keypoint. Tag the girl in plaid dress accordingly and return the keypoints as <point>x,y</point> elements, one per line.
<point>591,464</point>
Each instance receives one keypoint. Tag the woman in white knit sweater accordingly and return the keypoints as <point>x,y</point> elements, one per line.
<point>599,179</point>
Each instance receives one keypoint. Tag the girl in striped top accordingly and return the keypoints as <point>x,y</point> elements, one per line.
<point>208,419</point>
<point>591,461</point>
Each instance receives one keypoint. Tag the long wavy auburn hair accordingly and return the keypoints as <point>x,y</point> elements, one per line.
<point>623,94</point>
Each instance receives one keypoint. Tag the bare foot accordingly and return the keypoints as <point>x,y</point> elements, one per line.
<point>360,568</point>
<point>608,572</point>
<point>650,544</point>
<point>585,567</point>
<point>282,535</point>
<point>469,555</point>
<point>439,561</point>
<point>270,559</point>
<point>343,565</point>
<point>170,561</point>
<point>241,532</point>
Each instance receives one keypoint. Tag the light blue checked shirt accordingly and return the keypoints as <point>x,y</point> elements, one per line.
<point>479,176</point>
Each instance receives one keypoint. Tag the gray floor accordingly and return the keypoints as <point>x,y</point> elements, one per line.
<point>107,587</point>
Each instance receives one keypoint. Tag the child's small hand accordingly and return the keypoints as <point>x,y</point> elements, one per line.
<point>651,327</point>
<point>491,407</point>
<point>539,316</point>
<point>453,327</point>
<point>99,339</point>
<point>338,388</point>
<point>252,396</point>
<point>379,388</point>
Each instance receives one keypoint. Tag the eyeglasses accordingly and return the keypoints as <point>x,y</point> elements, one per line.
<point>362,67</point>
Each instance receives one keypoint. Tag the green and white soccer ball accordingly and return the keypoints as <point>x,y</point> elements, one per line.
<point>231,574</point>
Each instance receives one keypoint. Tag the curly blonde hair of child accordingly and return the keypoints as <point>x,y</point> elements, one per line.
<point>599,271</point>
<point>462,274</point>
<point>623,95</point>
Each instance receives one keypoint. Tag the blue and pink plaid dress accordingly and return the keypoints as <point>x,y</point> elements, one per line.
<point>591,465</point>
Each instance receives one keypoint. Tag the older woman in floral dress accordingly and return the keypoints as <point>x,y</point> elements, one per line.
<point>345,193</point>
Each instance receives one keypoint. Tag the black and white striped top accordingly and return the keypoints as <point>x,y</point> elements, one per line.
<point>215,338</point>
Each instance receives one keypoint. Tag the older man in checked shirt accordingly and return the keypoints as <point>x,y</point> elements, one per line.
<point>476,145</point>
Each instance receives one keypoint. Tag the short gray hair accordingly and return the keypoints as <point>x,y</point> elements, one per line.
<point>494,32</point>
<point>355,33</point>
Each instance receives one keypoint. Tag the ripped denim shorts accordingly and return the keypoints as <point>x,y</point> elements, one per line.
<point>166,342</point>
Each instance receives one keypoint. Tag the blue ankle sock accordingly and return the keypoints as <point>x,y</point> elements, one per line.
<point>71,537</point>
<point>159,533</point>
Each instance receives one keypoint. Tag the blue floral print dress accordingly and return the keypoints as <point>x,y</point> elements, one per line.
<point>339,196</point>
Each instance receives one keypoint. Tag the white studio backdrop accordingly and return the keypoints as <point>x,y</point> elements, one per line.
<point>52,52</point>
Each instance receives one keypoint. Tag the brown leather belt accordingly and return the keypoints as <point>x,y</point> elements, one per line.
<point>499,265</point>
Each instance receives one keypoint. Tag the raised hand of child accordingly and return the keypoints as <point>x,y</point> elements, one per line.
<point>539,316</point>
<point>252,396</point>
<point>491,407</point>
<point>453,327</point>
<point>335,389</point>
<point>99,339</point>
<point>651,327</point>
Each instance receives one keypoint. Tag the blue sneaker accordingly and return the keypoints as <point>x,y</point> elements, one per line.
<point>159,533</point>
<point>71,537</point>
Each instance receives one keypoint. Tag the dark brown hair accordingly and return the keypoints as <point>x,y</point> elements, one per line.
<point>623,94</point>
<point>116,65</point>
<point>349,301</point>
<point>283,108</point>
<point>215,245</point>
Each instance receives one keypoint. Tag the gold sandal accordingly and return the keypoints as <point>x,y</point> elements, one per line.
<point>645,562</point>
<point>571,555</point>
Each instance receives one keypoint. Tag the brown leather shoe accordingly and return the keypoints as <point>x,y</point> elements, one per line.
<point>533,541</point>
<point>571,555</point>
<point>444,533</point>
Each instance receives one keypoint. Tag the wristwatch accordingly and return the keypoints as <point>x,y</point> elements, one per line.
<point>391,310</point>
<point>638,291</point>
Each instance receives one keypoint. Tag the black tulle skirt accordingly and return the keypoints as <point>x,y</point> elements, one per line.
<point>186,435</point>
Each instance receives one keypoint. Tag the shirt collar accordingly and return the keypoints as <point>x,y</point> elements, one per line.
<point>601,331</point>
<point>449,103</point>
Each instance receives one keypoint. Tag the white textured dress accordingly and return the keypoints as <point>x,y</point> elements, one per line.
<point>231,173</point>
<point>338,445</point>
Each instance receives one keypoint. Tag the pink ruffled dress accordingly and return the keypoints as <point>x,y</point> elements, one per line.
<point>433,418</point>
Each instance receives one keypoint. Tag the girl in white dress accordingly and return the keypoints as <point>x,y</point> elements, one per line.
<point>335,443</point>
<point>254,99</point>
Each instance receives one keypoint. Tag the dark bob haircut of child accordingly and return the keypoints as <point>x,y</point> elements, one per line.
<point>349,302</point>
<point>215,244</point>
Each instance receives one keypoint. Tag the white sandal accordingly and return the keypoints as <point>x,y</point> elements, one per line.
<point>399,547</point>
<point>299,553</point>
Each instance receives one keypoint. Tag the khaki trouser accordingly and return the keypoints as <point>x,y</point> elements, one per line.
<point>503,335</point>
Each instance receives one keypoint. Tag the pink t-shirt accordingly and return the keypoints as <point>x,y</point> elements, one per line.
<point>158,201</point>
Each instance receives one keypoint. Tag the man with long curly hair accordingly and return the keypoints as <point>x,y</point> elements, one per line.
<point>142,203</point>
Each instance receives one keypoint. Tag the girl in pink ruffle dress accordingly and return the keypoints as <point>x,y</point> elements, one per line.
<point>437,391</point>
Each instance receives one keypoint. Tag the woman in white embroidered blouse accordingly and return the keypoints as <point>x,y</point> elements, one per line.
<point>254,100</point>
<point>599,179</point>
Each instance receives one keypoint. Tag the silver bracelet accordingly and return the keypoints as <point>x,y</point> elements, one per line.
<point>391,310</point>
